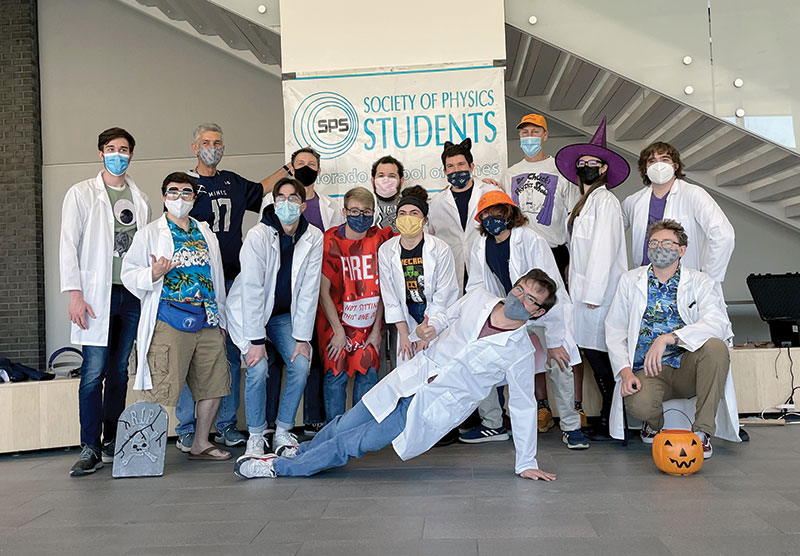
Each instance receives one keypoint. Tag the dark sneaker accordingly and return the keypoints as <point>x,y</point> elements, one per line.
<point>107,453</point>
<point>599,430</point>
<point>647,434</point>
<point>311,429</point>
<point>87,463</point>
<point>484,434</point>
<point>447,439</point>
<point>575,440</point>
<point>708,451</point>
<point>184,442</point>
<point>254,467</point>
<point>230,437</point>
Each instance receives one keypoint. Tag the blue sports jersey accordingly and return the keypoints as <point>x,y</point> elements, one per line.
<point>222,202</point>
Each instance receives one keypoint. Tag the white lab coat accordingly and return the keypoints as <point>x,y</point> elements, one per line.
<point>440,287</point>
<point>445,223</point>
<point>156,239</point>
<point>597,260</point>
<point>329,209</point>
<point>711,236</point>
<point>466,369</point>
<point>529,250</point>
<point>700,308</point>
<point>252,298</point>
<point>86,250</point>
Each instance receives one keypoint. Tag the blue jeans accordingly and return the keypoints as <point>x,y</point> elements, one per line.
<point>229,405</point>
<point>101,404</point>
<point>348,436</point>
<point>336,390</point>
<point>279,331</point>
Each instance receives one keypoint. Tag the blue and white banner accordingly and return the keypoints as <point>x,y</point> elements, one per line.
<point>354,120</point>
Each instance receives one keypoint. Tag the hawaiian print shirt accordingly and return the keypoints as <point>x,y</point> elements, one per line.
<point>190,281</point>
<point>660,317</point>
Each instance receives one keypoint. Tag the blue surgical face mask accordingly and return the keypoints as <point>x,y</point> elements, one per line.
<point>459,179</point>
<point>495,226</point>
<point>530,145</point>
<point>287,212</point>
<point>116,163</point>
<point>359,224</point>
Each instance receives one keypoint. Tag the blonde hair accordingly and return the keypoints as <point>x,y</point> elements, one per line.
<point>360,194</point>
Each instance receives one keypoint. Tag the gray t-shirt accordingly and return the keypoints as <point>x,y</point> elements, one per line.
<point>124,226</point>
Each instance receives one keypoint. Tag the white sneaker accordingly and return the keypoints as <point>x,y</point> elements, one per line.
<point>647,434</point>
<point>705,439</point>
<point>287,451</point>
<point>282,439</point>
<point>254,467</point>
<point>257,445</point>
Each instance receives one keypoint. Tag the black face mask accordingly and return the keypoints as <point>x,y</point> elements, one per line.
<point>588,174</point>
<point>306,175</point>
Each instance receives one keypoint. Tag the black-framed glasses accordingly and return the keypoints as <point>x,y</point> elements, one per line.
<point>665,243</point>
<point>186,194</point>
<point>357,212</point>
<point>589,163</point>
<point>526,296</point>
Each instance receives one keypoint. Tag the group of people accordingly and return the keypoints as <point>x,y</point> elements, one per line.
<point>482,285</point>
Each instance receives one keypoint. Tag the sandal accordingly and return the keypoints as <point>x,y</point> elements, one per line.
<point>207,455</point>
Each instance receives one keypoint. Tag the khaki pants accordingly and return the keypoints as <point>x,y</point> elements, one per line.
<point>197,359</point>
<point>702,373</point>
<point>563,392</point>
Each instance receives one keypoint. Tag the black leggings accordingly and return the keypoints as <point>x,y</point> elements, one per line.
<point>603,376</point>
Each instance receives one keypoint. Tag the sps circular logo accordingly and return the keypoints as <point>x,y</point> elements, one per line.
<point>327,122</point>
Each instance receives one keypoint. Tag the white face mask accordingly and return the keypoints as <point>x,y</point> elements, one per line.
<point>660,172</point>
<point>178,208</point>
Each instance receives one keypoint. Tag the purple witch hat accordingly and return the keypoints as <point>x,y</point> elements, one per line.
<point>618,168</point>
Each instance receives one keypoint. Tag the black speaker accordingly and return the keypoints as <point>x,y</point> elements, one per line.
<point>777,298</point>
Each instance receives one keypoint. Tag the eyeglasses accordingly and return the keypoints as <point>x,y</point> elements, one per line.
<point>356,212</point>
<point>589,163</point>
<point>527,297</point>
<point>665,243</point>
<point>186,194</point>
<point>296,199</point>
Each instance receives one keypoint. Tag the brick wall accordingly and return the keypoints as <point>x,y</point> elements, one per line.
<point>22,323</point>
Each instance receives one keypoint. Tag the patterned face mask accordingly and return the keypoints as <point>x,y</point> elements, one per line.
<point>210,156</point>
<point>662,257</point>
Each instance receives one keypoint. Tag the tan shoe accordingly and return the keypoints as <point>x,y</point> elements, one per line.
<point>545,419</point>
<point>584,422</point>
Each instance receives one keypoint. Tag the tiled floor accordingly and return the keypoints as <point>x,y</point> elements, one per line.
<point>460,500</point>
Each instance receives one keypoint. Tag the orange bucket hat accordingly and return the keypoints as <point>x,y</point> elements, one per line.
<point>492,198</point>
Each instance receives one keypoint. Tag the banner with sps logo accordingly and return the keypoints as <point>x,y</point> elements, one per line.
<point>354,120</point>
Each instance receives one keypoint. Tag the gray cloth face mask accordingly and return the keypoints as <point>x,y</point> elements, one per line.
<point>661,257</point>
<point>210,156</point>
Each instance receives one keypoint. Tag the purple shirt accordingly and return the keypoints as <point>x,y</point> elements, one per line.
<point>312,213</point>
<point>656,213</point>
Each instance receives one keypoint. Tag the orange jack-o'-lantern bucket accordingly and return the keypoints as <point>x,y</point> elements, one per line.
<point>678,452</point>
